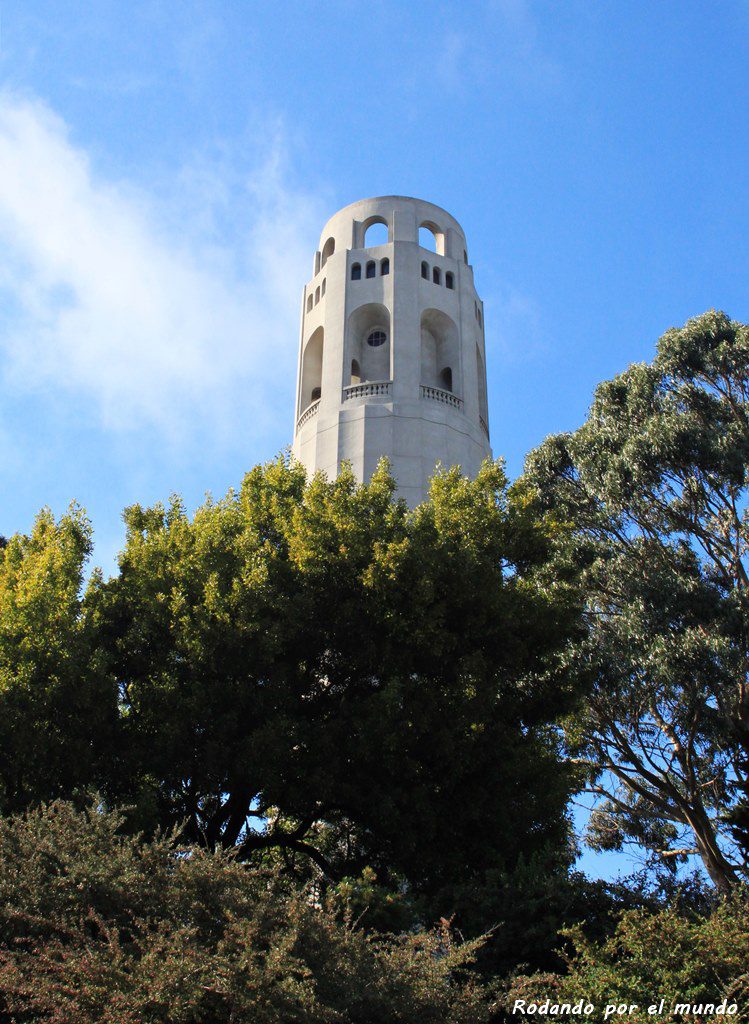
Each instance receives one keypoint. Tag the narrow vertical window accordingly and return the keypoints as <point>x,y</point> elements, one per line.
<point>371,268</point>
<point>317,295</point>
<point>436,275</point>
<point>425,270</point>
<point>356,272</point>
<point>384,266</point>
<point>322,290</point>
<point>309,302</point>
<point>446,379</point>
<point>449,280</point>
<point>327,251</point>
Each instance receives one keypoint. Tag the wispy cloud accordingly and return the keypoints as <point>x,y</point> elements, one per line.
<point>178,314</point>
<point>507,49</point>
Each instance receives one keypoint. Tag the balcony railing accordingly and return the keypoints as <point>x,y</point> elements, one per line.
<point>368,389</point>
<point>438,395</point>
<point>307,415</point>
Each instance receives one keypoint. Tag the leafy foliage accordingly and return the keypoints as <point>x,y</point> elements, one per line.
<point>311,674</point>
<point>57,703</point>
<point>667,955</point>
<point>655,488</point>
<point>315,669</point>
<point>97,926</point>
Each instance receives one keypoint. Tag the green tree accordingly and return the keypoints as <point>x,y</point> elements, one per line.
<point>314,669</point>
<point>97,927</point>
<point>57,705</point>
<point>654,488</point>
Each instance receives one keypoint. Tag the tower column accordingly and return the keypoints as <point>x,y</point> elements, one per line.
<point>392,359</point>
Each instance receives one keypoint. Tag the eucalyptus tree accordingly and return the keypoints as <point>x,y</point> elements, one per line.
<point>654,490</point>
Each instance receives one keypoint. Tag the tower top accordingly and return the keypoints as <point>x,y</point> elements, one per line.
<point>392,356</point>
<point>403,216</point>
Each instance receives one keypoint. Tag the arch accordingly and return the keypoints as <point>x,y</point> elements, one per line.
<point>375,231</point>
<point>449,280</point>
<point>436,275</point>
<point>373,360</point>
<point>317,262</point>
<point>371,268</point>
<point>317,294</point>
<point>322,289</point>
<point>312,369</point>
<point>440,351</point>
<point>310,300</point>
<point>327,251</point>
<point>481,375</point>
<point>356,271</point>
<point>355,372</point>
<point>384,267</point>
<point>431,236</point>
<point>425,270</point>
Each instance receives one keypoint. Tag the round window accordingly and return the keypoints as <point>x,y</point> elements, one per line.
<point>376,338</point>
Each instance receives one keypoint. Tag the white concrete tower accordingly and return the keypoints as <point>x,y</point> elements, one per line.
<point>392,358</point>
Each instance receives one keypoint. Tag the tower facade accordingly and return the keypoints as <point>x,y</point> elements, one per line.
<point>392,358</point>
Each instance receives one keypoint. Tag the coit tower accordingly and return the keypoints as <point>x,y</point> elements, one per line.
<point>392,358</point>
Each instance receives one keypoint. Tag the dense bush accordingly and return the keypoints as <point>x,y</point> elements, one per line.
<point>670,955</point>
<point>100,927</point>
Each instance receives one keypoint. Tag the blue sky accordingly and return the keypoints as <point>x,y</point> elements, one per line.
<point>166,168</point>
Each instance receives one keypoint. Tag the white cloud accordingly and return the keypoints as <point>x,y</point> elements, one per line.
<point>179,314</point>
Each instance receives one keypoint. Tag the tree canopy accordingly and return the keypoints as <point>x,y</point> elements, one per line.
<point>309,673</point>
<point>654,489</point>
<point>57,702</point>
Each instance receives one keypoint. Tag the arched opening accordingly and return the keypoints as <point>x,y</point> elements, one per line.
<point>310,300</point>
<point>368,343</point>
<point>465,257</point>
<point>440,351</point>
<point>317,262</point>
<point>436,275</point>
<point>427,239</point>
<point>327,251</point>
<point>317,294</point>
<point>431,236</point>
<point>375,233</point>
<point>312,370</point>
<point>356,271</point>
<point>371,268</point>
<point>425,270</point>
<point>480,317</point>
<point>449,280</point>
<point>355,372</point>
<point>481,375</point>
<point>384,266</point>
<point>322,290</point>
